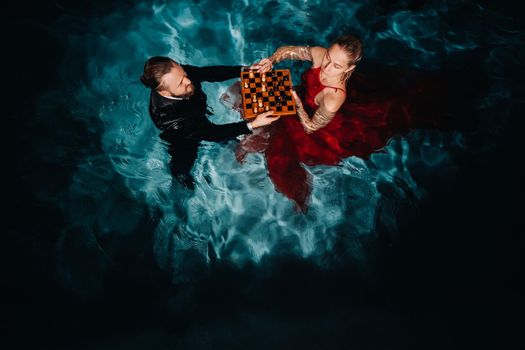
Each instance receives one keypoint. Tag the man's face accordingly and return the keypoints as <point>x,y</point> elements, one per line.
<point>176,83</point>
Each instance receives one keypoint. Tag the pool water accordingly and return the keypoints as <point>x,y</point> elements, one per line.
<point>121,183</point>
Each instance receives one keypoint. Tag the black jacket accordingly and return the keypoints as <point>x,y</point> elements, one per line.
<point>186,120</point>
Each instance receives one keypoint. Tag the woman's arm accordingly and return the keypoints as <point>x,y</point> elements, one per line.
<point>326,111</point>
<point>301,53</point>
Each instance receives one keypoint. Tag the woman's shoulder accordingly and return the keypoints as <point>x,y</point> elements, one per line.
<point>333,99</point>
<point>317,53</point>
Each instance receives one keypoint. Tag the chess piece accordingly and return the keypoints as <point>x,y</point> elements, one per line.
<point>263,77</point>
<point>246,85</point>
<point>263,88</point>
<point>250,74</point>
<point>254,99</point>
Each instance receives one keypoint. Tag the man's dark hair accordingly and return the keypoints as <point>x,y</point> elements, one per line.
<point>154,70</point>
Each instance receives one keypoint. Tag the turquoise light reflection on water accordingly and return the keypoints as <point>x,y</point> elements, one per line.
<point>235,210</point>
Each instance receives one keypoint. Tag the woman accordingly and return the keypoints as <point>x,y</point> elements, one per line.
<point>326,86</point>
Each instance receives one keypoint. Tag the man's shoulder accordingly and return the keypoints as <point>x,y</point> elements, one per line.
<point>159,101</point>
<point>189,68</point>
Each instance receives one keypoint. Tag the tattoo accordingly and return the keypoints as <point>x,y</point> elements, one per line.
<point>301,53</point>
<point>319,120</point>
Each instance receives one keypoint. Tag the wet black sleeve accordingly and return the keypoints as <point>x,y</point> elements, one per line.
<point>212,73</point>
<point>221,132</point>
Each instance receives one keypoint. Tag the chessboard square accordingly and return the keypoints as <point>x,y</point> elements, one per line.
<point>248,106</point>
<point>279,74</point>
<point>259,94</point>
<point>258,84</point>
<point>279,109</point>
<point>287,88</point>
<point>252,89</point>
<point>265,99</point>
<point>247,95</point>
<point>252,80</point>
<point>272,103</point>
<point>290,108</point>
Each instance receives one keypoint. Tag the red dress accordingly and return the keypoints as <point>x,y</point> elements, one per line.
<point>370,116</point>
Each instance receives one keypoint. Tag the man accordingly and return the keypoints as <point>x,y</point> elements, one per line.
<point>178,108</point>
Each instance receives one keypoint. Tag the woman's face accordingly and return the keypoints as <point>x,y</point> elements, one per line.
<point>335,62</point>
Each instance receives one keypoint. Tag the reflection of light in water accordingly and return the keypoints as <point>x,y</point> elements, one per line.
<point>235,209</point>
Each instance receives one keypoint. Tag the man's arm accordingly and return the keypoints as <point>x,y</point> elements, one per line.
<point>219,132</point>
<point>212,73</point>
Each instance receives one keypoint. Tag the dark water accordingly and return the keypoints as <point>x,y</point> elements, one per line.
<point>418,247</point>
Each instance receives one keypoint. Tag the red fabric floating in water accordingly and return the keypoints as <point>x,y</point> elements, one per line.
<point>387,103</point>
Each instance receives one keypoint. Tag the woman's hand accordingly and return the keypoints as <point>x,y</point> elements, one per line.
<point>263,119</point>
<point>263,65</point>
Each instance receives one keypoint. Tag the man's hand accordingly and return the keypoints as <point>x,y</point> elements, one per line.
<point>263,119</point>
<point>263,65</point>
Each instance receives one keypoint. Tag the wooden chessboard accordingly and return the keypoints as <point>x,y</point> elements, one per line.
<point>267,91</point>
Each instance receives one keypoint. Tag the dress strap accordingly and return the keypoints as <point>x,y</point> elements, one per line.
<point>333,87</point>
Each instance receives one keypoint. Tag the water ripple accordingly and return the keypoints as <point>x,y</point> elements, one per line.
<point>235,212</point>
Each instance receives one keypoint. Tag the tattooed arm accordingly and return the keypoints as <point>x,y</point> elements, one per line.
<point>328,107</point>
<point>301,53</point>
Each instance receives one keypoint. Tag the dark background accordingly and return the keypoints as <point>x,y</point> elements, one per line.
<point>450,278</point>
